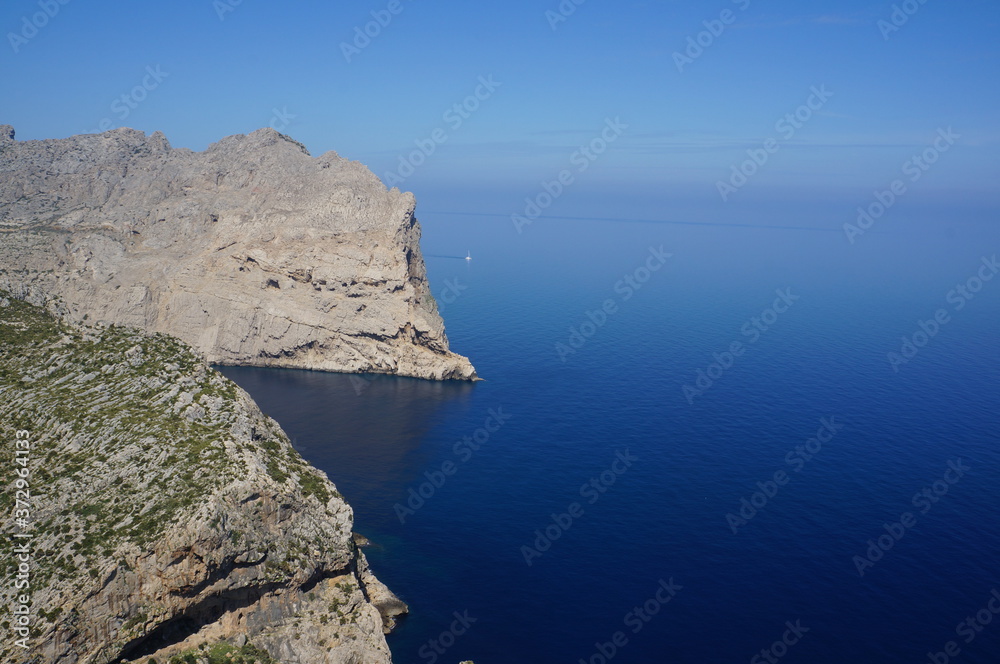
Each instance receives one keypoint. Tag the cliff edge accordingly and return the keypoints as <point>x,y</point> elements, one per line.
<point>157,512</point>
<point>253,252</point>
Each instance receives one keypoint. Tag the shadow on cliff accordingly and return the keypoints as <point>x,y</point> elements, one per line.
<point>365,431</point>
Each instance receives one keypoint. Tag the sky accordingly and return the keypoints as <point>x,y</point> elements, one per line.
<point>502,95</point>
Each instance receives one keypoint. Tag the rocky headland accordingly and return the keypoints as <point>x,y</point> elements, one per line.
<point>253,252</point>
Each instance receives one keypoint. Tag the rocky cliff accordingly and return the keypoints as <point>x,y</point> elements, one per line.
<point>167,515</point>
<point>252,251</point>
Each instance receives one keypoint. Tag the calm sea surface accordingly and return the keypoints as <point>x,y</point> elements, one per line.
<point>804,495</point>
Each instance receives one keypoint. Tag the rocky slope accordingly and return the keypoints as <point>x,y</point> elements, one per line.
<point>252,252</point>
<point>167,512</point>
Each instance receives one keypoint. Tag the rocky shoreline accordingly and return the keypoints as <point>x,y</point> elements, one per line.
<point>168,514</point>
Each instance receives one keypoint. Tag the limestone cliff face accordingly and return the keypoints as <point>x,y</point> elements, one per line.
<point>253,252</point>
<point>168,512</point>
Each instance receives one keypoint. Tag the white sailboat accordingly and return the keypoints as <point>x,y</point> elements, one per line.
<point>468,255</point>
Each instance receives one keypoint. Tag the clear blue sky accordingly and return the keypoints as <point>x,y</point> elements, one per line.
<point>558,86</point>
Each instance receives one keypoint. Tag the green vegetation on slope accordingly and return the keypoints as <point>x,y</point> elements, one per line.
<point>223,653</point>
<point>129,432</point>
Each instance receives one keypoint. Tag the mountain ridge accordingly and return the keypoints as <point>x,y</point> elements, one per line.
<point>252,251</point>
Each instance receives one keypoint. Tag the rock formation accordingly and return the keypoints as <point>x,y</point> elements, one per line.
<point>167,512</point>
<point>252,251</point>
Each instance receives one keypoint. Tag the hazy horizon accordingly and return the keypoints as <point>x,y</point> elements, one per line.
<point>514,90</point>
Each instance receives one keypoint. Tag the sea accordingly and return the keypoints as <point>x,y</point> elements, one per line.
<point>702,436</point>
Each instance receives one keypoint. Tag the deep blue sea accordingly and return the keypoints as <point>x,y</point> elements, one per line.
<point>808,499</point>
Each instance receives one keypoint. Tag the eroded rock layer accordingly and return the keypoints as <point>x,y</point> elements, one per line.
<point>252,251</point>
